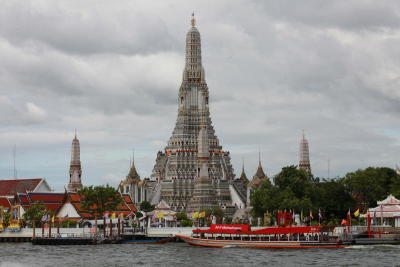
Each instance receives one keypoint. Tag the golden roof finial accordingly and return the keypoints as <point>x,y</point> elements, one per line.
<point>193,20</point>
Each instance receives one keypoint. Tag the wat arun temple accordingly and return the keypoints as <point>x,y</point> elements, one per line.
<point>193,172</point>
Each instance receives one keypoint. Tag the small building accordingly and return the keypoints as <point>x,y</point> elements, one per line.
<point>73,211</point>
<point>162,215</point>
<point>387,212</point>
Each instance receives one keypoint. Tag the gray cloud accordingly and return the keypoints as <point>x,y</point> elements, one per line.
<point>273,69</point>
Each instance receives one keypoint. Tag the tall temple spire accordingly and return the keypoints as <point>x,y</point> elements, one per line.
<point>304,162</point>
<point>177,166</point>
<point>75,169</point>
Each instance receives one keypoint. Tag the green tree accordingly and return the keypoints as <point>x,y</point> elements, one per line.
<point>371,184</point>
<point>99,199</point>
<point>292,189</point>
<point>146,206</point>
<point>183,219</point>
<point>217,212</point>
<point>35,212</point>
<point>334,200</point>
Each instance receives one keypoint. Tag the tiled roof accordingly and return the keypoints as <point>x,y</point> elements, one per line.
<point>129,202</point>
<point>5,202</point>
<point>53,201</point>
<point>23,200</point>
<point>75,200</point>
<point>12,187</point>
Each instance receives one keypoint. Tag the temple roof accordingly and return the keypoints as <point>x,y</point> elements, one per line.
<point>5,202</point>
<point>125,208</point>
<point>390,200</point>
<point>243,176</point>
<point>53,201</point>
<point>259,177</point>
<point>13,187</point>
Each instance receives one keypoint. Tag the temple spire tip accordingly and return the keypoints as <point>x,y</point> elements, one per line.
<point>193,21</point>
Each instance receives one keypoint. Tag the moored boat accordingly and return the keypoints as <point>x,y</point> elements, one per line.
<point>225,235</point>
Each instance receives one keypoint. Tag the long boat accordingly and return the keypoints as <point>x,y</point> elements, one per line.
<point>226,235</point>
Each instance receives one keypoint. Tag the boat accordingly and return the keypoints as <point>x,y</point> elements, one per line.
<point>228,235</point>
<point>138,238</point>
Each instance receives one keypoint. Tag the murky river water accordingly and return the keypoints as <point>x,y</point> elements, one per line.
<point>180,254</point>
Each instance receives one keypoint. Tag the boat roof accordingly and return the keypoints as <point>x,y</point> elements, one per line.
<point>246,229</point>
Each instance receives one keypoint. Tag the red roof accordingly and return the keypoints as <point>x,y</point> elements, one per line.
<point>5,202</point>
<point>129,202</point>
<point>75,200</point>
<point>53,201</point>
<point>12,187</point>
<point>24,200</point>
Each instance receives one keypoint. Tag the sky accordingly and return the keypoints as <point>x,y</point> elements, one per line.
<point>112,70</point>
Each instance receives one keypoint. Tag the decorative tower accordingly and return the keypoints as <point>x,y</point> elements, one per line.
<point>176,166</point>
<point>204,196</point>
<point>304,155</point>
<point>257,180</point>
<point>75,169</point>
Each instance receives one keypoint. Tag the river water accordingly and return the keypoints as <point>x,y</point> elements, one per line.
<point>181,254</point>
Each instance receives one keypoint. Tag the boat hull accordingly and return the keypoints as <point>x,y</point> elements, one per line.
<point>145,241</point>
<point>258,244</point>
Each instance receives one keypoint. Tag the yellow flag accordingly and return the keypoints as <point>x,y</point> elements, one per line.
<point>160,215</point>
<point>195,215</point>
<point>357,213</point>
<point>52,219</point>
<point>202,214</point>
<point>113,216</point>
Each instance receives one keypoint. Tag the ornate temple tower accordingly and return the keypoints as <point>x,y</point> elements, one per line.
<point>304,155</point>
<point>204,196</point>
<point>176,167</point>
<point>75,169</point>
<point>258,178</point>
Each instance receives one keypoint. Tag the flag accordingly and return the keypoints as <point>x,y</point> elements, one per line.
<point>202,214</point>
<point>121,216</point>
<point>319,214</point>
<point>160,215</point>
<point>113,216</point>
<point>52,219</point>
<point>344,222</point>
<point>301,216</point>
<point>357,213</point>
<point>195,215</point>
<point>311,215</point>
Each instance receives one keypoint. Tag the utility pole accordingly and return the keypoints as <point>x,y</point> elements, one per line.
<point>14,155</point>
<point>329,168</point>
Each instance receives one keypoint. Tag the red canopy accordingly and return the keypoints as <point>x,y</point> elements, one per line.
<point>245,229</point>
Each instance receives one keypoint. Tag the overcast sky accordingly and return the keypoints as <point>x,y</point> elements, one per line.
<point>112,70</point>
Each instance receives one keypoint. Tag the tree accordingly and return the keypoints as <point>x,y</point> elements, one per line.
<point>35,212</point>
<point>99,199</point>
<point>371,184</point>
<point>183,219</point>
<point>217,212</point>
<point>292,189</point>
<point>334,200</point>
<point>146,206</point>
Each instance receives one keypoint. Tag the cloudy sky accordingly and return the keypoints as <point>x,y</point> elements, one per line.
<point>112,70</point>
